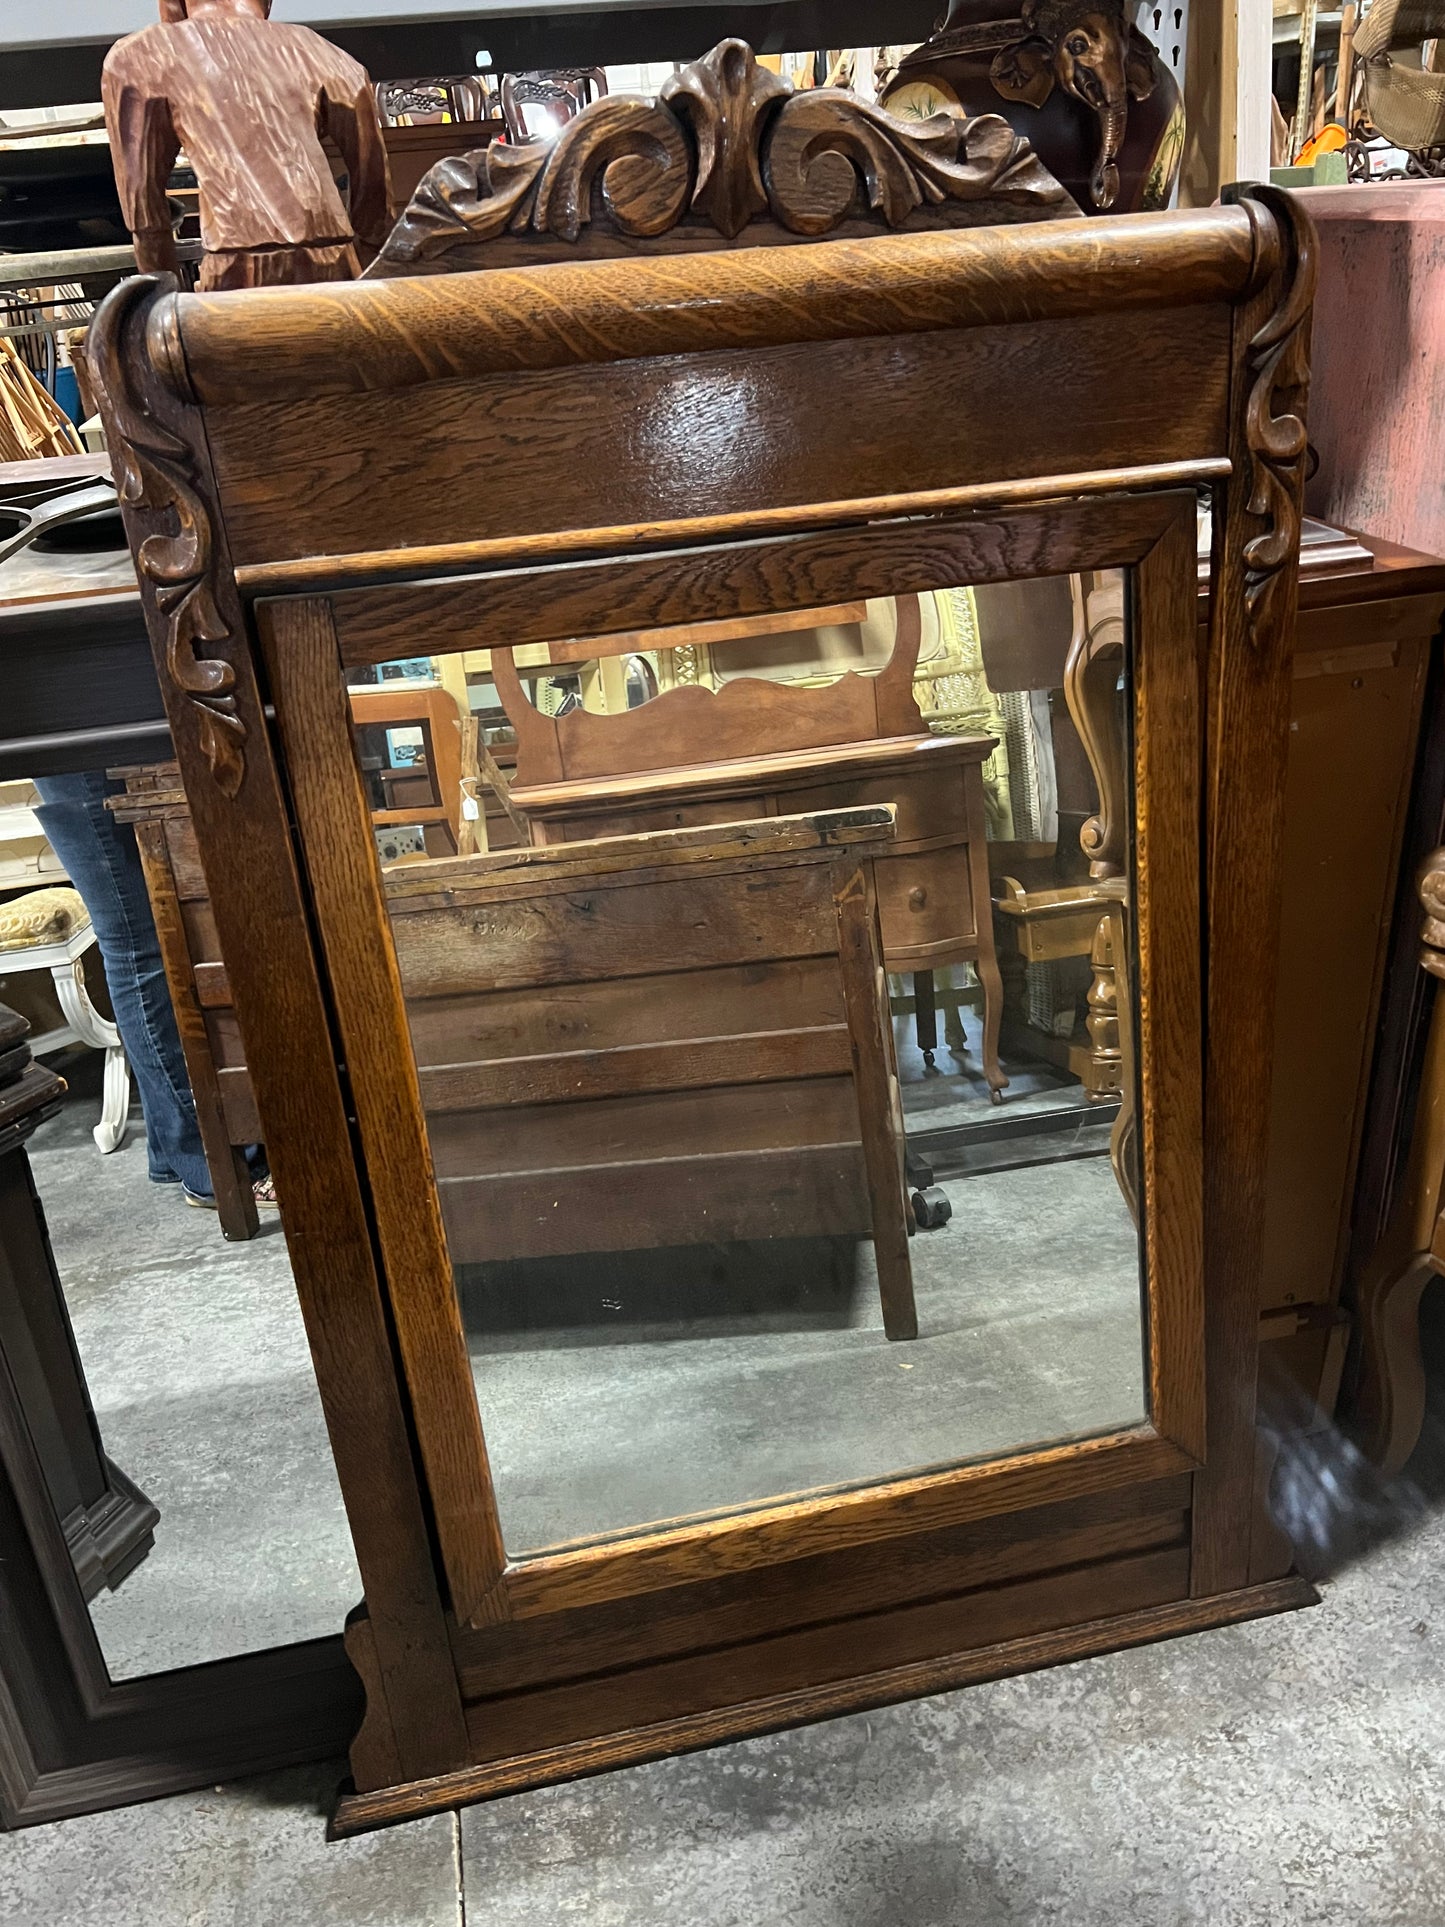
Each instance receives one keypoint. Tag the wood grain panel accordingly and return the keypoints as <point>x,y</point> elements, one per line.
<point>696,1064</point>
<point>647,1125</point>
<point>1141,1626</point>
<point>403,333</point>
<point>315,724</point>
<point>1168,1004</point>
<point>700,1550</point>
<point>819,1191</point>
<point>636,1011</point>
<point>623,930</point>
<point>710,435</point>
<point>819,1655</point>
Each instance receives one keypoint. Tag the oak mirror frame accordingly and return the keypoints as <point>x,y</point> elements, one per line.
<point>309,479</point>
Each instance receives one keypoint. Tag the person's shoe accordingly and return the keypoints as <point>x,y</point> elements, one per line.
<point>202,1200</point>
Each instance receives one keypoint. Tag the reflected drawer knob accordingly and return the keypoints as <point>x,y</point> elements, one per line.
<point>917,898</point>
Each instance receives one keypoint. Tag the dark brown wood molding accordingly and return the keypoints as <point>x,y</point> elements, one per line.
<point>726,142</point>
<point>156,470</point>
<point>361,1812</point>
<point>1279,357</point>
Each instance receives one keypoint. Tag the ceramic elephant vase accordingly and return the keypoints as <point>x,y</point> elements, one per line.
<point>1075,78</point>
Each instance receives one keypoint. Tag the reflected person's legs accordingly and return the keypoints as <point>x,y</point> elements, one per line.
<point>104,866</point>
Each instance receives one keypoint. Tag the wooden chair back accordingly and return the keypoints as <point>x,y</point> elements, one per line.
<point>562,92</point>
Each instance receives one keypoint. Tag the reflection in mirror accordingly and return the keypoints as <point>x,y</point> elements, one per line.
<point>163,1369</point>
<point>697,1051</point>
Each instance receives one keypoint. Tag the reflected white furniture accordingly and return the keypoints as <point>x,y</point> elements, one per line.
<point>64,959</point>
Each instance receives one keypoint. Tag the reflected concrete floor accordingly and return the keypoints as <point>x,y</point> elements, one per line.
<point>711,1378</point>
<point>201,1378</point>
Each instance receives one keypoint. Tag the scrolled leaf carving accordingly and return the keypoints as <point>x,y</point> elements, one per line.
<point>1274,421</point>
<point>823,145</point>
<point>157,472</point>
<point>727,99</point>
<point>727,143</point>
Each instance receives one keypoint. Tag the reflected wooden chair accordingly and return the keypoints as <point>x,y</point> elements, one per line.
<point>674,1038</point>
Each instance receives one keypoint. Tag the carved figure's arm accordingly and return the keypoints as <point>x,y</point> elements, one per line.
<point>351,118</point>
<point>143,146</point>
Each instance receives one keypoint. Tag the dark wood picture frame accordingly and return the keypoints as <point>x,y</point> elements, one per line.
<point>282,537</point>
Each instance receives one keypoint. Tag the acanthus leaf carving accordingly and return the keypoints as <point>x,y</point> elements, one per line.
<point>1274,421</point>
<point>727,99</point>
<point>157,472</point>
<point>727,142</point>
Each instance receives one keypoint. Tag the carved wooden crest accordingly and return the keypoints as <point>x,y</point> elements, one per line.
<point>1274,422</point>
<point>156,472</point>
<point>726,144</point>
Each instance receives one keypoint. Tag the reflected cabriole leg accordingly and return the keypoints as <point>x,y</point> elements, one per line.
<point>865,993</point>
<point>1389,1401</point>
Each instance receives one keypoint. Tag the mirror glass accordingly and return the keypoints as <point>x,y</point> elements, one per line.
<point>161,1364</point>
<point>694,1051</point>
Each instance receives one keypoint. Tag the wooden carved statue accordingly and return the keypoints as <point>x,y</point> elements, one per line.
<point>1073,76</point>
<point>250,100</point>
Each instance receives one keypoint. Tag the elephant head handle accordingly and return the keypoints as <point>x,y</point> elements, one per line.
<point>1088,48</point>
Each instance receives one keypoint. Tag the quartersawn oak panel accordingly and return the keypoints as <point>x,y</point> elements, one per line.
<point>503,1659</point>
<point>901,553</point>
<point>349,338</point>
<point>709,434</point>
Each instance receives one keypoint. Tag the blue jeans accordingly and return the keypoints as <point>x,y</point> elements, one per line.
<point>105,868</point>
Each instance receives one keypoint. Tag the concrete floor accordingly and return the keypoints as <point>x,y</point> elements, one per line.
<point>1285,1773</point>
<point>1281,1774</point>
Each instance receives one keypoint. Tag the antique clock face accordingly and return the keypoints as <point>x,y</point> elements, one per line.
<point>920,99</point>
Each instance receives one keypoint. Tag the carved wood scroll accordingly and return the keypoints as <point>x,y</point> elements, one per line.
<point>1279,358</point>
<point>726,143</point>
<point>155,470</point>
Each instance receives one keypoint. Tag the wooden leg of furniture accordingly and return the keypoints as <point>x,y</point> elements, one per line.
<point>925,1015</point>
<point>230,1177</point>
<point>1388,1406</point>
<point>92,1029</point>
<point>1105,1056</point>
<point>1124,1139</point>
<point>954,1000</point>
<point>992,982</point>
<point>865,990</point>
